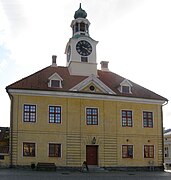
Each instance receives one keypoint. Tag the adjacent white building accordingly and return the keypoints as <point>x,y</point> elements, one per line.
<point>167,149</point>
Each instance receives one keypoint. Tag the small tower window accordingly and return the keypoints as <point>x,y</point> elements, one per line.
<point>82,26</point>
<point>76,27</point>
<point>84,59</point>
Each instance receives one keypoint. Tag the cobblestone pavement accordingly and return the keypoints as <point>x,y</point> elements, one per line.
<point>20,174</point>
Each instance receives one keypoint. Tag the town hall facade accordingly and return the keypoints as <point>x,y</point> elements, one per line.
<point>68,115</point>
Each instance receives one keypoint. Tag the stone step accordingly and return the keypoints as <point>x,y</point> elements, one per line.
<point>96,169</point>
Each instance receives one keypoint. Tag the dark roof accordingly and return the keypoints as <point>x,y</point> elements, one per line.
<point>39,81</point>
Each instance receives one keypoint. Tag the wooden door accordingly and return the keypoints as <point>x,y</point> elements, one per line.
<point>92,155</point>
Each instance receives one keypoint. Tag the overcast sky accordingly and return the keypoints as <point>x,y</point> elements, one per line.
<point>134,36</point>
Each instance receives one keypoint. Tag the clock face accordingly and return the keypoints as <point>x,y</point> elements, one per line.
<point>84,48</point>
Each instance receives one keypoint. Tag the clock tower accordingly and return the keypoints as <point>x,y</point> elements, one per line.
<point>81,48</point>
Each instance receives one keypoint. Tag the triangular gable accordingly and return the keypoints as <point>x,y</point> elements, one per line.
<point>126,82</point>
<point>55,76</point>
<point>96,82</point>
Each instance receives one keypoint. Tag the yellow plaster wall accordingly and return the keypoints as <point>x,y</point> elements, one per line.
<point>74,134</point>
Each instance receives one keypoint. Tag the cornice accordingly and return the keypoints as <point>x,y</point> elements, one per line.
<point>82,95</point>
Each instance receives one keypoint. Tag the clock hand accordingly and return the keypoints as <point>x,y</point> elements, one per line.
<point>86,49</point>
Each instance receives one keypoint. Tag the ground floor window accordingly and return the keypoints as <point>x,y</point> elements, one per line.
<point>54,150</point>
<point>127,151</point>
<point>28,149</point>
<point>148,151</point>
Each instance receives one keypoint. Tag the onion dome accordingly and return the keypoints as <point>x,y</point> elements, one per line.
<point>80,13</point>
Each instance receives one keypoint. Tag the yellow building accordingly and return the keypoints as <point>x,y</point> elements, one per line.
<point>68,115</point>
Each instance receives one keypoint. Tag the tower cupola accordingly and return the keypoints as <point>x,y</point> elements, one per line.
<point>81,48</point>
<point>80,13</point>
<point>80,25</point>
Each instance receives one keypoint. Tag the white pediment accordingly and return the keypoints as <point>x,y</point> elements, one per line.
<point>92,79</point>
<point>55,76</point>
<point>125,82</point>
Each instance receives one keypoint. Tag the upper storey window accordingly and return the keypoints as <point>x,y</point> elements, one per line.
<point>29,113</point>
<point>147,119</point>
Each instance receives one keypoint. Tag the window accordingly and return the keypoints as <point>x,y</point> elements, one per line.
<point>55,114</point>
<point>84,59</point>
<point>92,116</point>
<point>29,114</point>
<point>125,89</point>
<point>54,150</point>
<point>55,83</point>
<point>166,152</point>
<point>126,118</point>
<point>82,26</point>
<point>148,151</point>
<point>92,88</point>
<point>2,157</point>
<point>29,149</point>
<point>127,151</point>
<point>76,27</point>
<point>125,86</point>
<point>147,119</point>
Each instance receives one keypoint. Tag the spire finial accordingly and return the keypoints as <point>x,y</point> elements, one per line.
<point>80,13</point>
